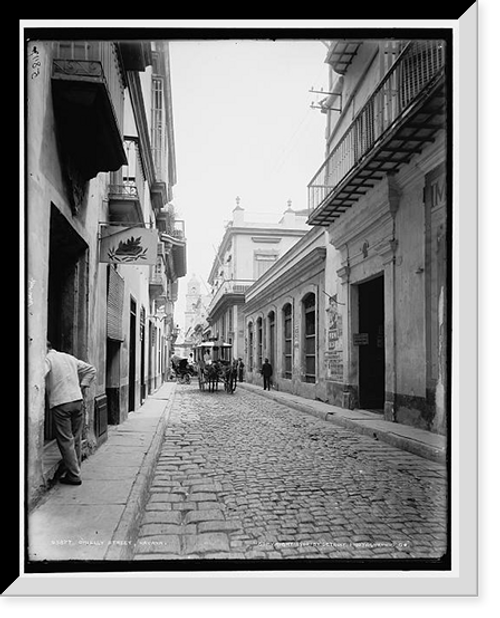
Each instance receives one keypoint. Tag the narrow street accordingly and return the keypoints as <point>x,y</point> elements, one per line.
<point>270,205</point>
<point>243,477</point>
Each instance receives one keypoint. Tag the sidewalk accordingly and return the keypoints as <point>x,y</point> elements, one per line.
<point>94,520</point>
<point>417,441</point>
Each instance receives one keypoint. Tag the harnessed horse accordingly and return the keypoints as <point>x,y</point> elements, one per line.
<point>212,373</point>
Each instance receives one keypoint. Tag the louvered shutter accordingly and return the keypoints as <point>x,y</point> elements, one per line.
<point>115,306</point>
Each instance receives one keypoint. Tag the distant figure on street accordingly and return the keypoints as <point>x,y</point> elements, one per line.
<point>65,377</point>
<point>267,372</point>
<point>241,369</point>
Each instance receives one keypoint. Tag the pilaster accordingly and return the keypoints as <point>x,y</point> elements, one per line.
<point>387,252</point>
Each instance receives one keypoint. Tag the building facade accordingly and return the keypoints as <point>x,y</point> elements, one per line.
<point>355,313</point>
<point>285,312</point>
<point>381,196</point>
<point>100,164</point>
<point>247,250</point>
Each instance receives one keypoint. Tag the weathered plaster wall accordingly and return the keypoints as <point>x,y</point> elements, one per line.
<point>45,188</point>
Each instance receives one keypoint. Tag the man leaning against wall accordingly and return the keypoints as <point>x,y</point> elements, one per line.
<point>66,377</point>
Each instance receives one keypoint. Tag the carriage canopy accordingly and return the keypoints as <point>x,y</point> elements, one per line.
<point>213,351</point>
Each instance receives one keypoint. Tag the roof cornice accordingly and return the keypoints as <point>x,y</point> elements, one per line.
<point>260,292</point>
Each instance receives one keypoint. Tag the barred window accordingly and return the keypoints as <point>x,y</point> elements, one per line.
<point>250,347</point>
<point>287,341</point>
<point>309,338</point>
<point>272,344</point>
<point>259,342</point>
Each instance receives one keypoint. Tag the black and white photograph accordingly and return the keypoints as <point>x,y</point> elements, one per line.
<point>238,300</point>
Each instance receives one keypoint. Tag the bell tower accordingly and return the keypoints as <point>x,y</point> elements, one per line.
<point>193,298</point>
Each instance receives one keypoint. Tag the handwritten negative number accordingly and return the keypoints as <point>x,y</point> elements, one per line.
<point>36,64</point>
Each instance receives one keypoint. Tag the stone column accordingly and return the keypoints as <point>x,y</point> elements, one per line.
<point>387,252</point>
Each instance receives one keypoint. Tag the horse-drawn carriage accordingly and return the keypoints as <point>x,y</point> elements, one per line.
<point>215,364</point>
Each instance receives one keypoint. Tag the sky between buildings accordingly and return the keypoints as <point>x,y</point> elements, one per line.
<point>243,127</point>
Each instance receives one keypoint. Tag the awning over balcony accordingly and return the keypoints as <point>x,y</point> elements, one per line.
<point>180,261</point>
<point>175,243</point>
<point>86,121</point>
<point>341,54</point>
<point>403,114</point>
<point>159,195</point>
<point>136,55</point>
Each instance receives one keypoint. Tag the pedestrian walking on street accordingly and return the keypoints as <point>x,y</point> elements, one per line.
<point>241,368</point>
<point>267,372</point>
<point>65,379</point>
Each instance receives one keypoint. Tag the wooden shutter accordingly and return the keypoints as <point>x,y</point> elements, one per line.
<point>116,287</point>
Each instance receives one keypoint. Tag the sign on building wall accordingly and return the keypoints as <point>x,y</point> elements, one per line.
<point>132,245</point>
<point>334,351</point>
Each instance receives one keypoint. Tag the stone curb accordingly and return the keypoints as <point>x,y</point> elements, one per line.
<point>127,530</point>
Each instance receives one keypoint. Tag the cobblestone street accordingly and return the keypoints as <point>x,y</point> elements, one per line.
<point>242,477</point>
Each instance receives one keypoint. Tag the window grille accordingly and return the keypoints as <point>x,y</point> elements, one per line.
<point>309,343</point>
<point>272,325</point>
<point>287,341</point>
<point>259,342</point>
<point>250,347</point>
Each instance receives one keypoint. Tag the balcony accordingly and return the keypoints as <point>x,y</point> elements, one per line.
<point>125,205</point>
<point>403,114</point>
<point>164,306</point>
<point>229,292</point>
<point>87,121</point>
<point>171,227</point>
<point>157,277</point>
<point>159,194</point>
<point>126,192</point>
<point>173,235</point>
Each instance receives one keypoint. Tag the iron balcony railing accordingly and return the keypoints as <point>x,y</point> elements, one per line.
<point>127,184</point>
<point>176,230</point>
<point>229,287</point>
<point>418,66</point>
<point>127,190</point>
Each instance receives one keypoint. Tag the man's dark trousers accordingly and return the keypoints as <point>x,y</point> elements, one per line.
<point>68,423</point>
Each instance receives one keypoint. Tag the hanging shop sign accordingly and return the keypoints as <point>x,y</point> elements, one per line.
<point>136,246</point>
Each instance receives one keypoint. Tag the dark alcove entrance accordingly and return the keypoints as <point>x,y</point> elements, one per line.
<point>371,345</point>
